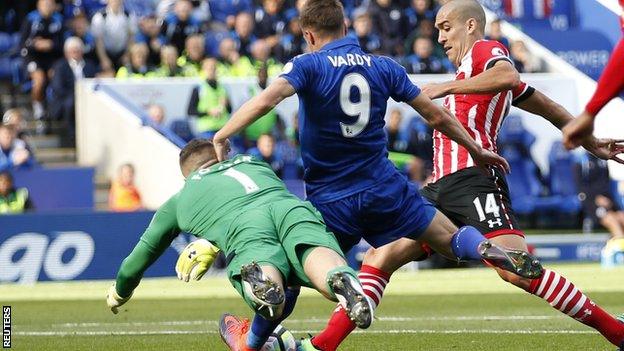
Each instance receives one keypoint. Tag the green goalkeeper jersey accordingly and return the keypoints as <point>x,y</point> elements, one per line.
<point>205,207</point>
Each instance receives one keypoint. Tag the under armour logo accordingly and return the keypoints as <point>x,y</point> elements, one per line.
<point>498,222</point>
<point>191,254</point>
<point>586,314</point>
<point>348,130</point>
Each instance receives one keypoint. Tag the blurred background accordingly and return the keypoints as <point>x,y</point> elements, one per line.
<point>97,97</point>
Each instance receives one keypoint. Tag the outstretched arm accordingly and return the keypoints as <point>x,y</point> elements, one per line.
<point>158,236</point>
<point>442,120</point>
<point>501,77</point>
<point>251,111</point>
<point>556,114</point>
<point>610,84</point>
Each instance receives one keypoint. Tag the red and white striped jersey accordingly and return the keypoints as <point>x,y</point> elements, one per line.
<point>481,114</point>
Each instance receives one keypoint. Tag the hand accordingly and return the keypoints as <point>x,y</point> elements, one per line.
<point>222,147</point>
<point>195,260</point>
<point>113,300</point>
<point>20,156</point>
<point>42,44</point>
<point>435,90</point>
<point>606,149</point>
<point>578,130</point>
<point>486,157</point>
<point>107,64</point>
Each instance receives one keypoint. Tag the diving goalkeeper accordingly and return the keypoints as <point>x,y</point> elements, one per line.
<point>271,240</point>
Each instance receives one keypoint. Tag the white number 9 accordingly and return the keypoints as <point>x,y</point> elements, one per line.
<point>360,109</point>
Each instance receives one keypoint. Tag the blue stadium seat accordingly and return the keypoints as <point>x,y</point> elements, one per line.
<point>181,128</point>
<point>562,181</point>
<point>513,132</point>
<point>6,42</point>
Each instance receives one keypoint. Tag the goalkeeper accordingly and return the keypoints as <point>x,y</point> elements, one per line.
<point>271,240</point>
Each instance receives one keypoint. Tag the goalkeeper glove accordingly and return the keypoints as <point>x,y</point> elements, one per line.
<point>113,300</point>
<point>195,260</point>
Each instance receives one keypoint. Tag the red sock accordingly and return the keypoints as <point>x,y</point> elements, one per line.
<point>374,282</point>
<point>562,295</point>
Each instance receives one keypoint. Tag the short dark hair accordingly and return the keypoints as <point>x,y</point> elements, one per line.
<point>326,16</point>
<point>195,147</point>
<point>7,175</point>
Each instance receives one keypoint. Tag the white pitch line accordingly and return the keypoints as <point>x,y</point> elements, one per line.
<point>391,331</point>
<point>312,320</point>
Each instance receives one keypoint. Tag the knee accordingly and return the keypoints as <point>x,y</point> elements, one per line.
<point>392,257</point>
<point>514,279</point>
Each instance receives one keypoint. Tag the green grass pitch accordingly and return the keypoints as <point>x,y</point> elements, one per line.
<point>424,310</point>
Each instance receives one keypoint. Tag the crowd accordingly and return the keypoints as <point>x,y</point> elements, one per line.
<point>64,40</point>
<point>61,41</point>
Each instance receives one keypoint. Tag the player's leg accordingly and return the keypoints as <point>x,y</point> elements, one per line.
<point>329,273</point>
<point>316,258</point>
<point>258,269</point>
<point>38,77</point>
<point>562,295</point>
<point>483,202</point>
<point>613,223</point>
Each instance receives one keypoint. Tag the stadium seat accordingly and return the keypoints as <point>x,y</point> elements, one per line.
<point>181,128</point>
<point>525,186</point>
<point>562,182</point>
<point>513,132</point>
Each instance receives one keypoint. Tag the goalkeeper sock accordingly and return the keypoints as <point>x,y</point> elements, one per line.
<point>374,282</point>
<point>262,328</point>
<point>465,243</point>
<point>562,295</point>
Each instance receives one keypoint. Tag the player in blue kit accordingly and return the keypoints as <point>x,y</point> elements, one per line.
<point>343,94</point>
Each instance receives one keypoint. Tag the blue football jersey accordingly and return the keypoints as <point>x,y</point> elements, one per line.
<point>343,93</point>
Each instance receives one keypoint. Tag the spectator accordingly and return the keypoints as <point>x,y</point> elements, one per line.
<point>138,67</point>
<point>416,171</point>
<point>599,204</point>
<point>13,152</point>
<point>420,10</point>
<point>113,29</point>
<point>391,23</point>
<point>426,29</point>
<point>123,195</point>
<point>523,60</point>
<point>422,61</point>
<point>266,123</point>
<point>177,26</point>
<point>41,39</point>
<point>193,55</point>
<point>496,33</point>
<point>243,33</point>
<point>266,152</point>
<point>231,63</point>
<point>90,7</point>
<point>362,30</point>
<point>80,28</point>
<point>157,114</point>
<point>261,54</point>
<point>225,11</point>
<point>270,22</point>
<point>393,131</point>
<point>14,118</point>
<point>209,102</point>
<point>12,200</point>
<point>65,73</point>
<point>148,33</point>
<point>169,63</point>
<point>292,42</point>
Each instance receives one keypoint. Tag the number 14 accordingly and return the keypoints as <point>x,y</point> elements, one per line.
<point>490,207</point>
